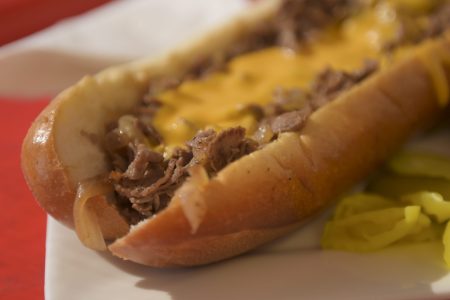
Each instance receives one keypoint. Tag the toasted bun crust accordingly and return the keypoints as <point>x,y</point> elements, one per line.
<point>253,200</point>
<point>274,190</point>
<point>53,163</point>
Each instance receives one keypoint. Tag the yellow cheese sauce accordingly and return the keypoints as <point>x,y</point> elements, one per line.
<point>219,100</point>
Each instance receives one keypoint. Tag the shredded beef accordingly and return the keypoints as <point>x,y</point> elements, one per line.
<point>285,100</point>
<point>290,108</point>
<point>116,140</point>
<point>291,121</point>
<point>214,151</point>
<point>257,111</point>
<point>369,67</point>
<point>116,143</point>
<point>207,65</point>
<point>413,32</point>
<point>149,182</point>
<point>299,19</point>
<point>149,106</point>
<point>143,157</point>
<point>145,181</point>
<point>145,125</point>
<point>296,21</point>
<point>226,147</point>
<point>330,83</point>
<point>199,145</point>
<point>439,21</point>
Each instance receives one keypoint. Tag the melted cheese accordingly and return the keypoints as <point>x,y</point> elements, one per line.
<point>219,100</point>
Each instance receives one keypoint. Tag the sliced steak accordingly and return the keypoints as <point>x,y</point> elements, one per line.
<point>215,151</point>
<point>439,21</point>
<point>299,19</point>
<point>150,191</point>
<point>228,146</point>
<point>330,83</point>
<point>143,157</point>
<point>291,121</point>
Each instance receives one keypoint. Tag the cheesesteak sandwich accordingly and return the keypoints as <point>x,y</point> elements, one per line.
<point>242,136</point>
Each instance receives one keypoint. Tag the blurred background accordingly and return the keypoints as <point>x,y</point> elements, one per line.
<point>22,222</point>
<point>19,18</point>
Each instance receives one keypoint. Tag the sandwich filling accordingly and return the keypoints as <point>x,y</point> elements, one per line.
<point>236,102</point>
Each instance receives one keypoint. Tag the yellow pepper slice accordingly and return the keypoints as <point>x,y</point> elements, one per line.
<point>432,203</point>
<point>428,234</point>
<point>373,230</point>
<point>359,203</point>
<point>371,221</point>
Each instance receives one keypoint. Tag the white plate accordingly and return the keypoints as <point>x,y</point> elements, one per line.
<point>290,268</point>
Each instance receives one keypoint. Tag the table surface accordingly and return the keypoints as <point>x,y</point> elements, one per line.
<point>22,222</point>
<point>19,18</point>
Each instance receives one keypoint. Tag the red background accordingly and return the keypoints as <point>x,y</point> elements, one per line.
<point>19,18</point>
<point>22,221</point>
